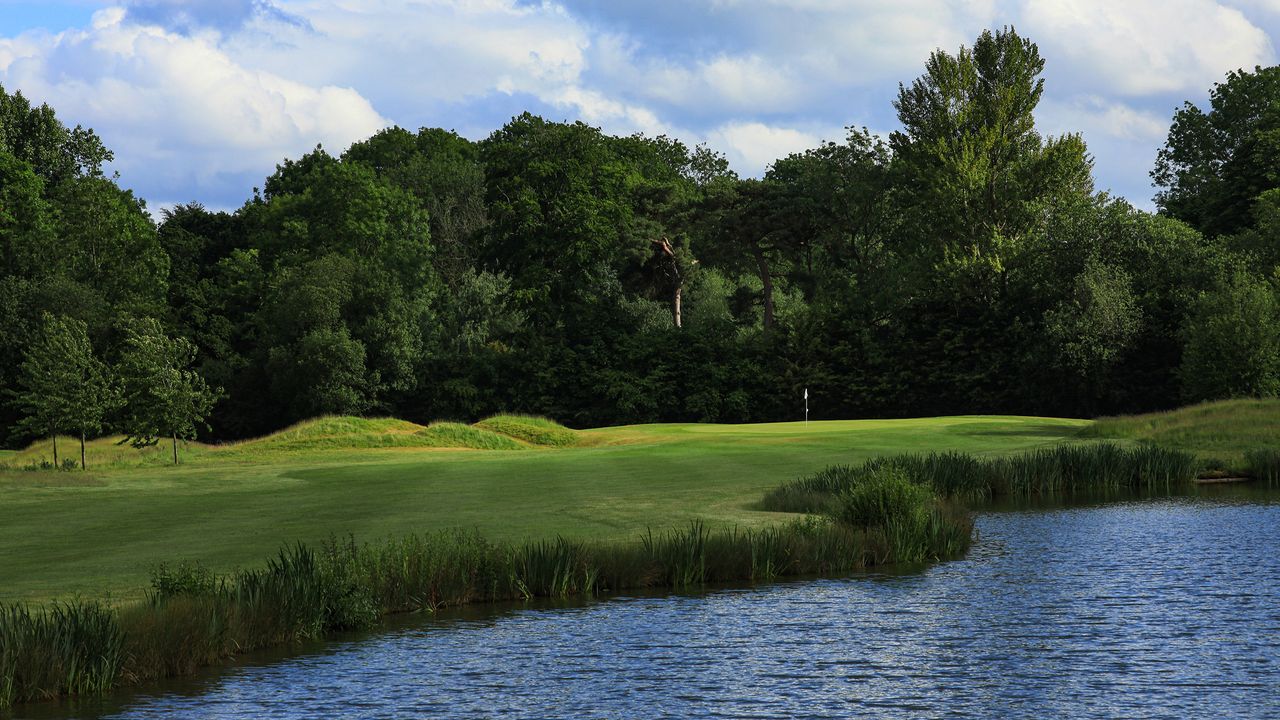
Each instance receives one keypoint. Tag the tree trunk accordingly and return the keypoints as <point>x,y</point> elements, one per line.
<point>766,280</point>
<point>83,467</point>
<point>675,307</point>
<point>175,448</point>
<point>54,435</point>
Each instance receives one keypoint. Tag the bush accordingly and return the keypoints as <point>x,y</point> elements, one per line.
<point>883,498</point>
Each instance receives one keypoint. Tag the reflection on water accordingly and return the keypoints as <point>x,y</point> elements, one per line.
<point>1157,608</point>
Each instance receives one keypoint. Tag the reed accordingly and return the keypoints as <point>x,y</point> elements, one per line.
<point>1263,464</point>
<point>1060,470</point>
<point>192,618</point>
<point>65,649</point>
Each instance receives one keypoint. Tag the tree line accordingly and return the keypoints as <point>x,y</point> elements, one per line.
<point>965,264</point>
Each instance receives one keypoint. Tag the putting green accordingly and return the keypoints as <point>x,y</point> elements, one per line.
<point>100,532</point>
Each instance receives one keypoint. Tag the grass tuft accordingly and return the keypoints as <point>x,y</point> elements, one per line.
<point>531,429</point>
<point>458,435</point>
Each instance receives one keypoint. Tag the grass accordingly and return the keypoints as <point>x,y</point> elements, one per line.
<point>487,512</point>
<point>319,436</point>
<point>1224,430</point>
<point>533,430</point>
<point>100,533</point>
<point>1060,471</point>
<point>191,618</point>
<point>458,435</point>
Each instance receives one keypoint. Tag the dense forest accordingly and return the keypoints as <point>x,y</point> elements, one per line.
<point>964,264</point>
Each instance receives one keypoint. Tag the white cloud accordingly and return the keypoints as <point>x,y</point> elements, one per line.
<point>424,52</point>
<point>598,109</point>
<point>178,110</point>
<point>1093,115</point>
<point>204,97</point>
<point>1142,47</point>
<point>752,146</point>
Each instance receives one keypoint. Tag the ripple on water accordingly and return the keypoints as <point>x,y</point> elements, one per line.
<point>1148,609</point>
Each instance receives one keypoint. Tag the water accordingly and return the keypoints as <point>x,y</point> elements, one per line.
<point>1165,608</point>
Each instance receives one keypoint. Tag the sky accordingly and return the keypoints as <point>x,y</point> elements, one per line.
<point>200,99</point>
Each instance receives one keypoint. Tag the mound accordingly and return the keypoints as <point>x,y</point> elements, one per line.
<point>452,434</point>
<point>1226,429</point>
<point>339,432</point>
<point>533,430</point>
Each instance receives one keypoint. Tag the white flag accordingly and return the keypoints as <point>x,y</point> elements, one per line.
<point>806,393</point>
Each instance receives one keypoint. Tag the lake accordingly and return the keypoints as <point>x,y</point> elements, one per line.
<point>1153,608</point>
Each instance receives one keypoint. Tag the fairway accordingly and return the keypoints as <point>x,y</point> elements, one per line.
<point>69,533</point>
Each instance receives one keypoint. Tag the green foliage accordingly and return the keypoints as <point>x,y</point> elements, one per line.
<point>1098,324</point>
<point>63,387</point>
<point>1231,348</point>
<point>164,397</point>
<point>970,153</point>
<point>1214,164</point>
<point>965,265</point>
<point>882,498</point>
<point>36,137</point>
<point>65,649</point>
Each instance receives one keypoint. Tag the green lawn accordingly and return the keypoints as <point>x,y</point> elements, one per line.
<point>67,533</point>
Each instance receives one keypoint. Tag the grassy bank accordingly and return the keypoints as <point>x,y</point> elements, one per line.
<point>192,618</point>
<point>1225,430</point>
<point>99,534</point>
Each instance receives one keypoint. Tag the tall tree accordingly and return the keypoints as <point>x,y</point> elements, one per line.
<point>163,396</point>
<point>1215,164</point>
<point>971,162</point>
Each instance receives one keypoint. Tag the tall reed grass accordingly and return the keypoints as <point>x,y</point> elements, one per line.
<point>1060,470</point>
<point>192,618</point>
<point>1264,464</point>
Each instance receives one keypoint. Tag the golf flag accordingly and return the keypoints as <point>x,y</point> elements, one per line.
<point>806,393</point>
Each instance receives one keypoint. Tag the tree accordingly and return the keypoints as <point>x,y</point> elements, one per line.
<point>1231,347</point>
<point>1097,324</point>
<point>37,137</point>
<point>970,161</point>
<point>163,396</point>
<point>63,386</point>
<point>1215,164</point>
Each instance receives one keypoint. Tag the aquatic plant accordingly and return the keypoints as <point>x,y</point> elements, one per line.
<point>1264,464</point>
<point>192,618</point>
<point>1060,470</point>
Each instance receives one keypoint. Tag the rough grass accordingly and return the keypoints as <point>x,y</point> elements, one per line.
<point>342,432</point>
<point>318,435</point>
<point>1224,430</point>
<point>458,435</point>
<point>1063,470</point>
<point>104,452</point>
<point>533,430</point>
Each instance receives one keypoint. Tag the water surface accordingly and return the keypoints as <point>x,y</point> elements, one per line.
<point>1156,608</point>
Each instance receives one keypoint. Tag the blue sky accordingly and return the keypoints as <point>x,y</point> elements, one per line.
<point>201,98</point>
